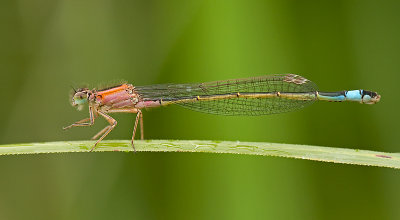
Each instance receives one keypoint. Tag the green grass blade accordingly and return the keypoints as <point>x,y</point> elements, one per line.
<point>326,154</point>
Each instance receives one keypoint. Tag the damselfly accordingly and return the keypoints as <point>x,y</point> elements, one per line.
<point>263,95</point>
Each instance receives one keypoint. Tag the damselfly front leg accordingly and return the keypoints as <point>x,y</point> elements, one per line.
<point>84,122</point>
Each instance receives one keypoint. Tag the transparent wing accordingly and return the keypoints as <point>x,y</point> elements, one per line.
<point>235,105</point>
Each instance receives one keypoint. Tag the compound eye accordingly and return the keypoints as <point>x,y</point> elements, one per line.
<point>80,97</point>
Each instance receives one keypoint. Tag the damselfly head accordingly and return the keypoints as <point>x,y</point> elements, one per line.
<point>370,97</point>
<point>80,97</point>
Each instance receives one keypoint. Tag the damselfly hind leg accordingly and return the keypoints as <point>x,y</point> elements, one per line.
<point>138,117</point>
<point>141,127</point>
<point>107,129</point>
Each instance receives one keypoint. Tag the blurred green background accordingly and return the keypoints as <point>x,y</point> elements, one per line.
<point>47,46</point>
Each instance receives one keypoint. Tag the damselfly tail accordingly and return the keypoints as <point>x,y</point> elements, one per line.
<point>361,96</point>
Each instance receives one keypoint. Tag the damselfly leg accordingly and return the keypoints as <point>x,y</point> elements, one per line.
<point>83,122</point>
<point>141,126</point>
<point>112,125</point>
<point>101,132</point>
<point>139,117</point>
